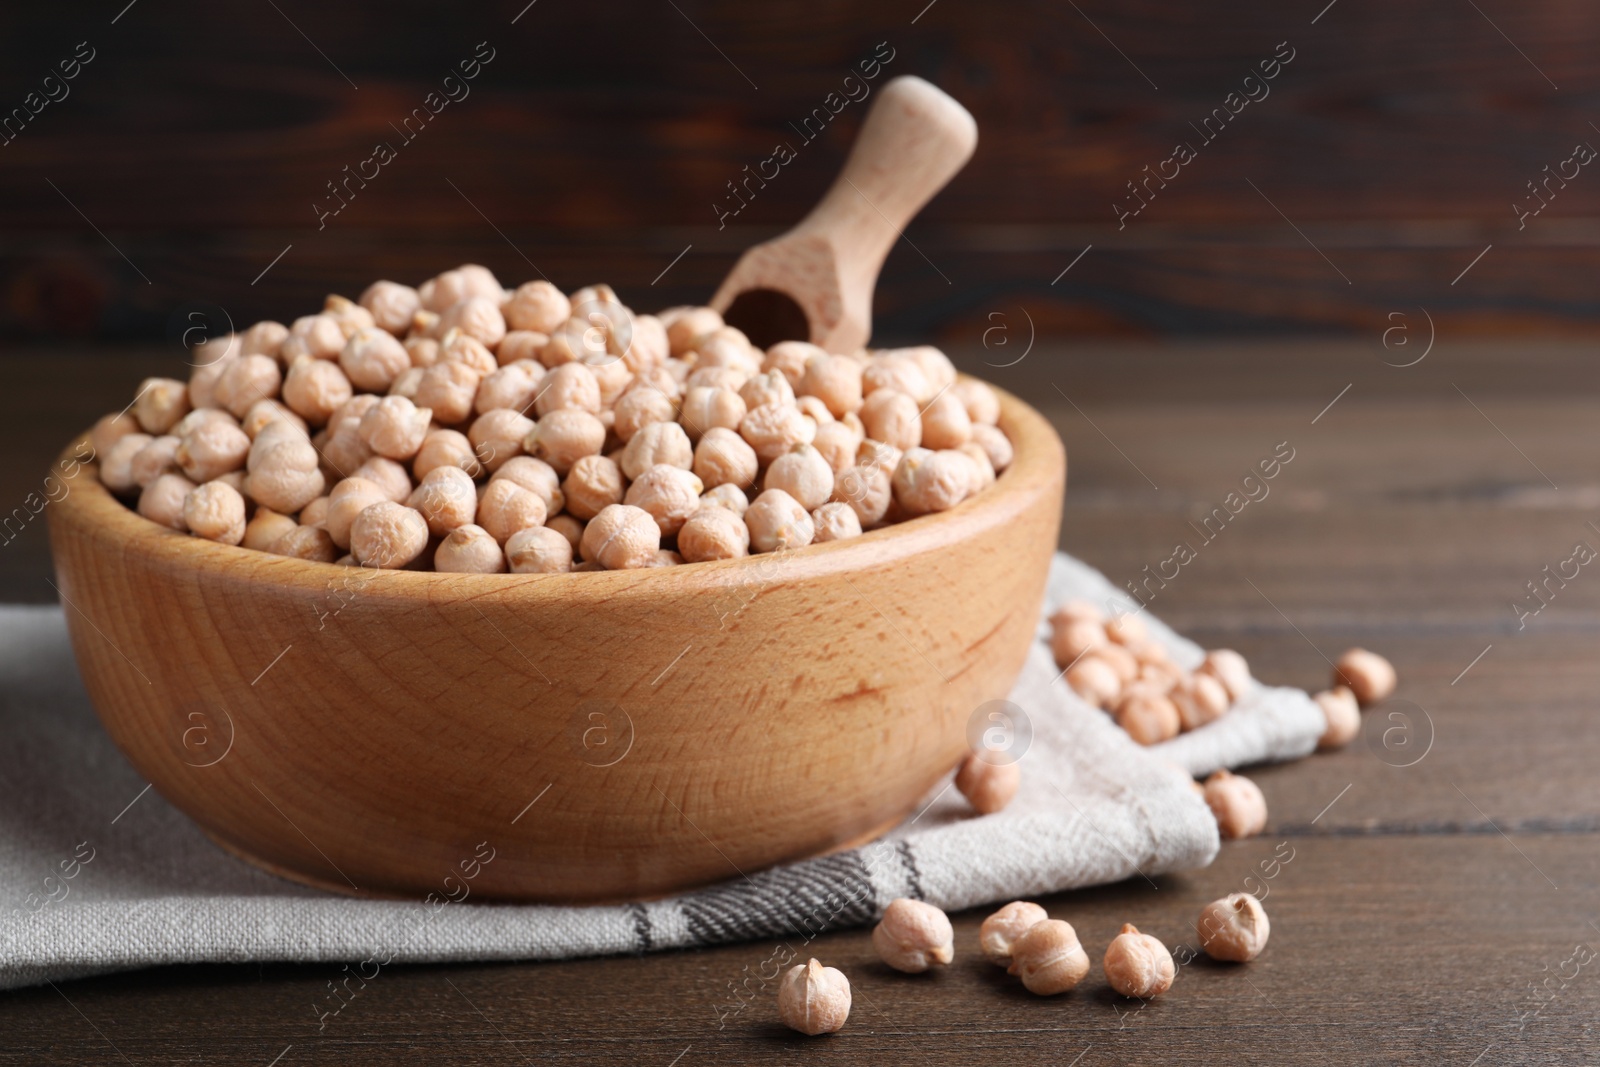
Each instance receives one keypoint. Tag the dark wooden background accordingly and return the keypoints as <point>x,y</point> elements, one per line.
<point>598,140</point>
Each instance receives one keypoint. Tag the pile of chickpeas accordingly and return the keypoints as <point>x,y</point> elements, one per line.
<point>461,426</point>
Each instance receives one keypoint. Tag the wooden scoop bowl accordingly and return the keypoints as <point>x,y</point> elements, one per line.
<point>816,281</point>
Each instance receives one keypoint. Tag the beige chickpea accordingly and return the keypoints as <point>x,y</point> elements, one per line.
<point>211,449</point>
<point>116,463</point>
<point>664,557</point>
<point>1001,931</point>
<point>265,338</point>
<point>391,305</point>
<point>306,542</point>
<point>613,377</point>
<point>265,527</point>
<point>215,511</point>
<point>789,359</point>
<point>161,402</point>
<point>562,438</point>
<point>593,484</point>
<point>913,936</point>
<point>981,402</point>
<point>1095,680</point>
<point>570,342</point>
<point>162,500</point>
<point>315,388</point>
<point>388,535</point>
<point>394,427</point>
<point>389,475</point>
<point>1071,638</point>
<point>537,306</point>
<point>204,377</point>
<point>406,383</point>
<point>1234,929</point>
<point>571,386</point>
<point>446,499</point>
<point>934,364</point>
<point>647,347</point>
<point>1138,965</point>
<point>539,550</point>
<point>804,475</point>
<point>892,417</point>
<point>283,469</point>
<point>1342,714</point>
<point>877,454</point>
<point>315,513</point>
<point>980,461</point>
<point>727,346</point>
<point>684,331</point>
<point>815,410</point>
<point>1237,803</point>
<point>834,522</point>
<point>639,407</point>
<point>1127,629</point>
<point>350,315</point>
<point>776,429</point>
<point>711,377</point>
<point>469,549</point>
<point>621,537</point>
<point>995,443</point>
<point>713,533</point>
<point>1200,699</point>
<point>567,526</point>
<point>896,373</point>
<point>511,386</point>
<point>317,336</point>
<point>109,429</point>
<point>506,507</point>
<point>446,448</point>
<point>813,999</point>
<point>458,347</point>
<point>454,286</point>
<point>521,346</point>
<point>534,475</point>
<point>422,351</point>
<point>265,412</point>
<point>348,499</point>
<point>372,358</point>
<point>1078,610</point>
<point>727,496</point>
<point>835,380</point>
<point>928,481</point>
<point>1125,663</point>
<point>1229,668</point>
<point>1049,958</point>
<point>868,490</point>
<point>988,787</point>
<point>670,494</point>
<point>1147,716</point>
<point>777,521</point>
<point>1367,675</point>
<point>945,423</point>
<point>158,457</point>
<point>478,317</point>
<point>655,444</point>
<point>497,436</point>
<point>448,388</point>
<point>709,407</point>
<point>769,388</point>
<point>247,380</point>
<point>837,443</point>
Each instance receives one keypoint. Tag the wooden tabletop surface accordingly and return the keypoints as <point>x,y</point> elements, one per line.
<point>1441,903</point>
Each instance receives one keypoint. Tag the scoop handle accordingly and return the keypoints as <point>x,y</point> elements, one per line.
<point>914,139</point>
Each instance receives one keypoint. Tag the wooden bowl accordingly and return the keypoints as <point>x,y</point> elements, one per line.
<point>609,735</point>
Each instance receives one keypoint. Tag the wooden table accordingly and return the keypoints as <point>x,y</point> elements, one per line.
<point>1444,865</point>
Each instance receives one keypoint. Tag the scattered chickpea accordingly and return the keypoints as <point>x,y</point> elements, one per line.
<point>264,338</point>
<point>1147,716</point>
<point>913,936</point>
<point>1201,699</point>
<point>162,500</point>
<point>1095,680</point>
<point>246,380</point>
<point>512,385</point>
<point>835,380</point>
<point>388,535</point>
<point>215,511</point>
<point>1229,668</point>
<point>539,550</point>
<point>317,336</point>
<point>813,999</point>
<point>1072,638</point>
<point>350,315</point>
<point>521,346</point>
<point>988,787</point>
<point>775,429</point>
<point>789,358</point>
<point>1237,803</point>
<point>453,286</point>
<point>1138,965</point>
<point>1049,958</point>
<point>1368,675</point>
<point>1233,929</point>
<point>265,412</point>
<point>1001,930</point>
<point>934,364</point>
<point>639,407</point>
<point>1342,713</point>
<point>621,537</point>
<point>684,331</point>
<point>161,403</point>
<point>477,317</point>
<point>834,522</point>
<point>469,549</point>
<point>769,388</point>
<point>1121,660</point>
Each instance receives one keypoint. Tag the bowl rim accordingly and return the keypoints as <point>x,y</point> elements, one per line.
<point>1038,465</point>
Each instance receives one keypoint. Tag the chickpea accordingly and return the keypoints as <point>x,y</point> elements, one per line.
<point>621,537</point>
<point>813,999</point>
<point>453,286</point>
<point>670,494</point>
<point>593,484</point>
<point>350,315</point>
<point>449,388</point>
<point>770,388</point>
<point>706,408</point>
<point>422,351</point>
<point>534,475</point>
<point>1342,713</point>
<point>685,330</point>
<point>1095,680</point>
<point>789,359</point>
<point>1368,676</point>
<point>1071,638</point>
<point>162,500</point>
<point>892,417</point>
<point>116,465</point>
<point>155,459</point>
<point>657,443</point>
<point>537,306</point>
<point>265,527</point>
<point>446,499</point>
<point>446,448</point>
<point>988,787</point>
<point>391,305</point>
<point>835,522</point>
<point>639,407</point>
<point>565,525</point>
<point>211,450</point>
<point>571,386</point>
<point>317,336</point>
<point>315,388</point>
<point>730,378</point>
<point>1049,958</point>
<point>348,499</point>
<point>1233,929</point>
<point>775,429</point>
<point>315,513</point>
<point>521,346</point>
<point>867,490</point>
<point>995,443</point>
<point>263,339</point>
<point>877,454</point>
<point>1001,931</point>
<point>727,346</point>
<point>372,359</point>
<point>980,462</point>
<point>837,443</point>
<point>506,507</point>
<point>1201,699</point>
<point>1137,965</point>
<point>648,347</point>
<point>613,377</point>
<point>406,383</point>
<point>913,936</point>
<point>215,511</point>
<point>283,469</point>
<point>777,521</point>
<point>497,436</point>
<point>562,438</point>
<point>538,550</point>
<point>945,423</point>
<point>897,373</point>
<point>713,533</point>
<point>204,377</point>
<point>726,496</point>
<point>1237,803</point>
<point>932,481</point>
<point>981,402</point>
<point>388,475</point>
<point>804,475</point>
<point>1229,668</point>
<point>265,412</point>
<point>246,380</point>
<point>512,387</point>
<point>394,427</point>
<point>388,535</point>
<point>469,549</point>
<point>306,542</point>
<point>934,364</point>
<point>478,317</point>
<point>458,347</point>
<point>160,404</point>
<point>110,429</point>
<point>1147,716</point>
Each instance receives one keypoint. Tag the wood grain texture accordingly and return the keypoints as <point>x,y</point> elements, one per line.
<point>749,711</point>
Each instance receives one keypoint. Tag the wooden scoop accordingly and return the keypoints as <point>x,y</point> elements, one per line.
<point>816,281</point>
